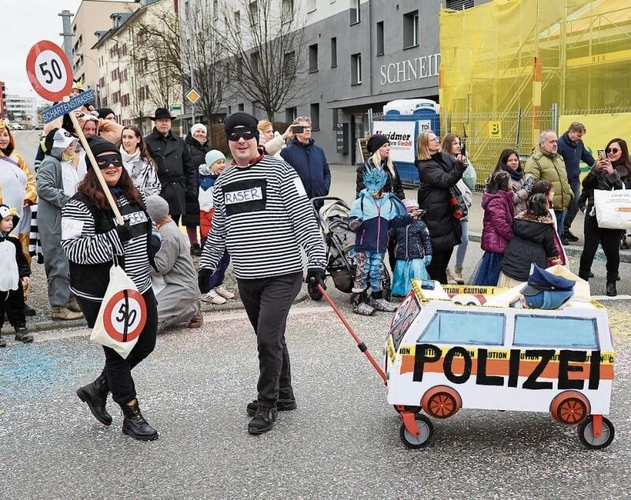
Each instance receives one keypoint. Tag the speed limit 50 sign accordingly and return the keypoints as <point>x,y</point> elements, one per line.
<point>49,70</point>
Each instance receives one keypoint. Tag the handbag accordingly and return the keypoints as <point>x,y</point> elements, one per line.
<point>122,316</point>
<point>613,208</point>
<point>457,203</point>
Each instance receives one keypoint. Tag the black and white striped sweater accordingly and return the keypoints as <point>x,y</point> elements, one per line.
<point>263,217</point>
<point>85,246</point>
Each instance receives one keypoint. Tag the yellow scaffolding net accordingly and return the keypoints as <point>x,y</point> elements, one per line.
<point>511,68</point>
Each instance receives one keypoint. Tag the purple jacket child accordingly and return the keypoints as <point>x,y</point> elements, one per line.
<point>499,213</point>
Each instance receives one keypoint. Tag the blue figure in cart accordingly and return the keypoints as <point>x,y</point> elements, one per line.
<point>413,250</point>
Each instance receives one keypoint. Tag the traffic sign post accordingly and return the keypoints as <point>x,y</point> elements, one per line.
<point>66,107</point>
<point>50,75</point>
<point>125,315</point>
<point>193,96</point>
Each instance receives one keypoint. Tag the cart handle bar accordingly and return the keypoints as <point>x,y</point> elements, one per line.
<point>362,347</point>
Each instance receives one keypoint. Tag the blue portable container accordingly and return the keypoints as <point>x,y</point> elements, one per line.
<point>425,114</point>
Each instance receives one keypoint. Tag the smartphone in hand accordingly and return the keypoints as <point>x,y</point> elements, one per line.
<point>298,129</point>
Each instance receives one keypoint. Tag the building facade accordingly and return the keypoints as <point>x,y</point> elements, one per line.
<point>22,110</point>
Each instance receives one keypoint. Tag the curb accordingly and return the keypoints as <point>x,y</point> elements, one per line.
<point>231,305</point>
<point>572,250</point>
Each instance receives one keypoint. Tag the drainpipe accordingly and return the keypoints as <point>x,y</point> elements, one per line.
<point>370,55</point>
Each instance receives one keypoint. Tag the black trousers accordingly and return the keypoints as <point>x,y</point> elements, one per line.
<point>12,302</point>
<point>267,302</point>
<point>610,241</point>
<point>118,370</point>
<point>437,270</point>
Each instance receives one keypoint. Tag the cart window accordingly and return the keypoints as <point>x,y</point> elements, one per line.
<point>555,331</point>
<point>407,311</point>
<point>455,327</point>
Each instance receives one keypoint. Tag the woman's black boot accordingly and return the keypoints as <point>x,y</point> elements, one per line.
<point>135,424</point>
<point>611,289</point>
<point>95,395</point>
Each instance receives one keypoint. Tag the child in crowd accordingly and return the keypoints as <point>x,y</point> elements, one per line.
<point>372,215</point>
<point>546,188</point>
<point>14,277</point>
<point>497,226</point>
<point>533,242</point>
<point>412,251</point>
<point>208,173</point>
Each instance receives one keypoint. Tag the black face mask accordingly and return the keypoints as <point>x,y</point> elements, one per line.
<point>104,161</point>
<point>246,132</point>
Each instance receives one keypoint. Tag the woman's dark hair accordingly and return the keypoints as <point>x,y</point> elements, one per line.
<point>624,159</point>
<point>91,187</point>
<point>538,205</point>
<point>504,156</point>
<point>498,181</point>
<point>542,187</point>
<point>144,152</point>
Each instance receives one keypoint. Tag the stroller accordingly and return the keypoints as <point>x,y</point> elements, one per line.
<point>339,241</point>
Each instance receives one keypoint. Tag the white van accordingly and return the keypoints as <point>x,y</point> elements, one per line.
<point>441,356</point>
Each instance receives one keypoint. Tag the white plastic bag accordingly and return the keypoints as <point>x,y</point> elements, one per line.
<point>122,316</point>
<point>613,208</point>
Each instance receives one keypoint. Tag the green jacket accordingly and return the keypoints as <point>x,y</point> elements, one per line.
<point>543,166</point>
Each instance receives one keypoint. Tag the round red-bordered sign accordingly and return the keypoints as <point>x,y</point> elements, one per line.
<point>49,70</point>
<point>125,315</point>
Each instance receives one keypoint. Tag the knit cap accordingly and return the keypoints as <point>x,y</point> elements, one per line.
<point>213,156</point>
<point>157,207</point>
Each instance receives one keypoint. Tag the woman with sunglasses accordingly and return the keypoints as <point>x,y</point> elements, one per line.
<point>611,172</point>
<point>92,241</point>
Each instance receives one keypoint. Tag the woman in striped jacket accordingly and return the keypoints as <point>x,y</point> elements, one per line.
<point>92,240</point>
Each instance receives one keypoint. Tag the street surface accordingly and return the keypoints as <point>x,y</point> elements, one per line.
<point>341,442</point>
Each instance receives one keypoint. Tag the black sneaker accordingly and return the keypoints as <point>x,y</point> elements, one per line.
<point>611,290</point>
<point>28,310</point>
<point>263,420</point>
<point>570,236</point>
<point>564,240</point>
<point>196,250</point>
<point>281,405</point>
<point>22,334</point>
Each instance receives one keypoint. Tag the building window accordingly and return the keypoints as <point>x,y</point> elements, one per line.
<point>215,10</point>
<point>254,13</point>
<point>459,4</point>
<point>410,30</point>
<point>255,60</point>
<point>289,64</point>
<point>356,69</point>
<point>313,58</point>
<point>355,12</point>
<point>335,116</point>
<point>380,41</point>
<point>334,52</point>
<point>287,14</point>
<point>315,116</point>
<point>241,107</point>
<point>237,21</point>
<point>311,5</point>
<point>291,114</point>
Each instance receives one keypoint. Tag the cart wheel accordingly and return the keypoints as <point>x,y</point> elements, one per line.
<point>570,407</point>
<point>426,429</point>
<point>586,433</point>
<point>313,292</point>
<point>441,402</point>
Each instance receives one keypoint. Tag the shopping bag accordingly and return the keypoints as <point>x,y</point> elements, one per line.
<point>122,316</point>
<point>613,208</point>
<point>457,202</point>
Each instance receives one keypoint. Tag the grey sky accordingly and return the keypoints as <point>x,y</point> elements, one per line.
<point>26,22</point>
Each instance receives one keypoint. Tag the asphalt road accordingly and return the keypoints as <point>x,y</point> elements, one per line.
<point>341,442</point>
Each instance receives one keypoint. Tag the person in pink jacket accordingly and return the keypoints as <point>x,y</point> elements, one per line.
<point>497,226</point>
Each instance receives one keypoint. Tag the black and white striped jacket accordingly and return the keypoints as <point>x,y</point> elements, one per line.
<point>263,217</point>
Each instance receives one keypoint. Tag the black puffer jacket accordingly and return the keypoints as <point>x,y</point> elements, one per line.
<point>198,155</point>
<point>533,242</point>
<point>438,174</point>
<point>411,241</point>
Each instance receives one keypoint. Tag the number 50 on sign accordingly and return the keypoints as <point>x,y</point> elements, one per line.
<point>49,70</point>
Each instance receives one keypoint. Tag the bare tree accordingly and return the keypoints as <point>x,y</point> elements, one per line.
<point>181,47</point>
<point>263,40</point>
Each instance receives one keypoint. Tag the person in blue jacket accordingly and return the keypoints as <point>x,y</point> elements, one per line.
<point>372,215</point>
<point>572,149</point>
<point>308,160</point>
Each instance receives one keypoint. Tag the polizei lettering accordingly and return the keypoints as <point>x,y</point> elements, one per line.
<point>429,358</point>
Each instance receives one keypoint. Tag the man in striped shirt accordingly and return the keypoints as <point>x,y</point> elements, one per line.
<point>263,218</point>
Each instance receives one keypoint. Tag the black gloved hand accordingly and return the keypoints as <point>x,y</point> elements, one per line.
<point>124,231</point>
<point>203,276</point>
<point>315,277</point>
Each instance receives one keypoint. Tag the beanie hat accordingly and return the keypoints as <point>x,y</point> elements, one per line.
<point>62,138</point>
<point>376,141</point>
<point>213,155</point>
<point>103,112</point>
<point>239,119</point>
<point>99,145</point>
<point>157,207</point>
<point>198,126</point>
<point>5,211</point>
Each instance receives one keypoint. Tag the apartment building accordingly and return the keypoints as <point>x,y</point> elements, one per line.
<point>23,110</point>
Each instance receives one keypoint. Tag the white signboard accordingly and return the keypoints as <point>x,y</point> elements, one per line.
<point>402,139</point>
